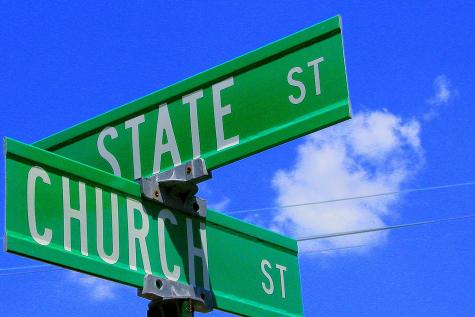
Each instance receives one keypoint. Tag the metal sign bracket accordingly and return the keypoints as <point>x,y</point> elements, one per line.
<point>170,298</point>
<point>176,188</point>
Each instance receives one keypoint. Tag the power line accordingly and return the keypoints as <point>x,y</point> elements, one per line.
<point>346,233</point>
<point>333,249</point>
<point>18,270</point>
<point>404,191</point>
<point>46,268</point>
<point>6,269</point>
<point>29,271</point>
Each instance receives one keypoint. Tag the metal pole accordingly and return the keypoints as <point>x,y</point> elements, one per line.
<point>187,308</point>
<point>170,308</point>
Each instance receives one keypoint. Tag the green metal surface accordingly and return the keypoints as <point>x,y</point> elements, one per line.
<point>252,271</point>
<point>253,104</point>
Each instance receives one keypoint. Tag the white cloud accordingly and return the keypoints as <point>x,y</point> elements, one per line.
<point>372,153</point>
<point>215,201</point>
<point>98,289</point>
<point>444,93</point>
<point>220,205</point>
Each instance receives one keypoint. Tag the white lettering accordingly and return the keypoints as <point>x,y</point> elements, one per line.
<point>137,234</point>
<point>269,290</point>
<point>114,257</point>
<point>112,132</point>
<point>164,214</point>
<point>164,125</point>
<point>282,269</point>
<point>201,253</point>
<point>296,83</point>
<point>34,173</point>
<point>316,72</point>
<point>219,112</point>
<point>79,214</point>
<point>192,99</point>
<point>134,125</point>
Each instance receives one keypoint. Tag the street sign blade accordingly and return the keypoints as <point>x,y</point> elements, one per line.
<point>274,94</point>
<point>69,214</point>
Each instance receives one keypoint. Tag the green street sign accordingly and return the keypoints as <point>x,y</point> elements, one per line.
<point>279,92</point>
<point>73,215</point>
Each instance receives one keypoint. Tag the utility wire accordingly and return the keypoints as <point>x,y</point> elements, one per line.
<point>404,191</point>
<point>45,268</point>
<point>346,233</point>
<point>18,269</point>
<point>333,249</point>
<point>29,271</point>
<point>7,269</point>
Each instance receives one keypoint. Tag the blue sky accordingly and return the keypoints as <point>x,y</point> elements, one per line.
<point>410,69</point>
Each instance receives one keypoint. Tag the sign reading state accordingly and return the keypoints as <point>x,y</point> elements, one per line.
<point>279,92</point>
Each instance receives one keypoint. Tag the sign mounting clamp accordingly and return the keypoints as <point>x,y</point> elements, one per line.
<point>177,187</point>
<point>162,291</point>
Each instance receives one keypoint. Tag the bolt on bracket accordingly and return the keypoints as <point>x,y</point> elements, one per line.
<point>160,290</point>
<point>176,188</point>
